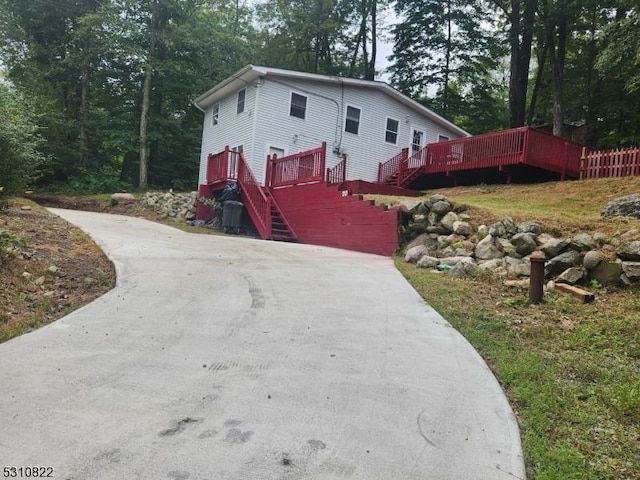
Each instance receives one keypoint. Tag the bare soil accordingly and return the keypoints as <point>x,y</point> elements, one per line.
<point>58,268</point>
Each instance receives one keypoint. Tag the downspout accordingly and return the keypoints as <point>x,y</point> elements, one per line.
<point>254,154</point>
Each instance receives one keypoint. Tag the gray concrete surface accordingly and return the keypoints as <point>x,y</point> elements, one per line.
<point>236,359</point>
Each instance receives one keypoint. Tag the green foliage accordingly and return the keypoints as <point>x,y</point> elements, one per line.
<point>9,244</point>
<point>20,157</point>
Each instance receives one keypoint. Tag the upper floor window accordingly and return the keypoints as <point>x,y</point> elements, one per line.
<point>215,114</point>
<point>443,138</point>
<point>298,107</point>
<point>352,124</point>
<point>391,134</point>
<point>241,99</point>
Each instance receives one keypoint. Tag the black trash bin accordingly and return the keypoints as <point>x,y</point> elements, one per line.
<point>231,216</point>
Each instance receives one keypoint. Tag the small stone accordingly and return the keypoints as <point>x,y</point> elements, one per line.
<point>49,294</point>
<point>462,228</point>
<point>524,243</point>
<point>509,226</point>
<point>52,269</point>
<point>488,248</point>
<point>497,230</point>
<point>629,250</point>
<point>448,221</point>
<point>631,270</point>
<point>123,196</point>
<point>40,280</point>
<point>89,281</point>
<point>582,242</point>
<point>26,275</point>
<point>554,247</point>
<point>483,231</point>
<point>441,207</point>
<point>25,207</point>
<point>464,269</point>
<point>563,261</point>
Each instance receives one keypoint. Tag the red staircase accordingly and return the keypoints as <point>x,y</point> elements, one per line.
<point>264,211</point>
<point>303,201</point>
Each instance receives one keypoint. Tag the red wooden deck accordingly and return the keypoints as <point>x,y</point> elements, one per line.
<point>520,146</point>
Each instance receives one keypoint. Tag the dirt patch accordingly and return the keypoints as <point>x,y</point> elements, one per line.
<point>55,270</point>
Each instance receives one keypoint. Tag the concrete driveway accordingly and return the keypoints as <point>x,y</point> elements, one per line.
<point>223,358</point>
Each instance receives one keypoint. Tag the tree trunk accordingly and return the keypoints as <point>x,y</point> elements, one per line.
<point>557,44</point>
<point>143,183</point>
<point>371,68</point>
<point>521,39</point>
<point>447,63</point>
<point>84,115</point>
<point>542,60</point>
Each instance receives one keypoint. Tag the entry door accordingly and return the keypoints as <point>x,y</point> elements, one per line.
<point>417,142</point>
<point>274,152</point>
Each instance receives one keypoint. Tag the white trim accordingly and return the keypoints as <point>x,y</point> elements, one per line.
<point>269,146</point>
<point>386,122</point>
<point>344,122</point>
<point>306,104</point>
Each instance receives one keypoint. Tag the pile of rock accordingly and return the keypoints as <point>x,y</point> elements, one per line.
<point>446,240</point>
<point>178,206</point>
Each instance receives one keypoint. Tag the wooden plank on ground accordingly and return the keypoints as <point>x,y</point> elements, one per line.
<point>583,295</point>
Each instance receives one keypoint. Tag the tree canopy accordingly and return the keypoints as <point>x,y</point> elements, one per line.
<point>108,84</point>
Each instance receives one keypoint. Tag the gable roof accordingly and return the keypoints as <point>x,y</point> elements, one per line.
<point>251,73</point>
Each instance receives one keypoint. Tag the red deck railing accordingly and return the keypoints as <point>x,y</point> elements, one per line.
<point>222,166</point>
<point>302,167</point>
<point>393,166</point>
<point>337,174</point>
<point>622,162</point>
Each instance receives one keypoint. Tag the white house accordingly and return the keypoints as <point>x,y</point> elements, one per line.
<point>262,111</point>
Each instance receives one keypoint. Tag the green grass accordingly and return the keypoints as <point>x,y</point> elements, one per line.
<point>571,371</point>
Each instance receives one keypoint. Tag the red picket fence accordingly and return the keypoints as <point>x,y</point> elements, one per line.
<point>623,162</point>
<point>337,174</point>
<point>302,167</point>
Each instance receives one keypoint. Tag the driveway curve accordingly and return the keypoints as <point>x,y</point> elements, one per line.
<point>223,358</point>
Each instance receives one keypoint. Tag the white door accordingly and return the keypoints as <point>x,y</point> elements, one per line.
<point>416,144</point>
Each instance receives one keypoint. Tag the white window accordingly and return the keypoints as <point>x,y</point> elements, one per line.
<point>443,138</point>
<point>215,114</point>
<point>391,134</point>
<point>241,97</point>
<point>298,107</point>
<point>352,124</point>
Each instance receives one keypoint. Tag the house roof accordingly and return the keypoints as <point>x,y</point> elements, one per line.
<point>251,73</point>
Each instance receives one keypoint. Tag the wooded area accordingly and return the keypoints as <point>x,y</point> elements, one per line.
<point>96,94</point>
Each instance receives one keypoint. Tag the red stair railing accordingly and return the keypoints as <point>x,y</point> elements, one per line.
<point>393,166</point>
<point>337,174</point>
<point>258,204</point>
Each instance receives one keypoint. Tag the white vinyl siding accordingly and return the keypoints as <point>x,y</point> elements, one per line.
<point>391,131</point>
<point>231,130</point>
<point>325,116</point>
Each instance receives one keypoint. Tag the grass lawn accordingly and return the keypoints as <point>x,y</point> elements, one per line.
<point>571,371</point>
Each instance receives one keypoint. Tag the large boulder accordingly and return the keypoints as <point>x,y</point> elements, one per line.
<point>529,227</point>
<point>497,230</point>
<point>414,254</point>
<point>629,250</point>
<point>627,206</point>
<point>631,270</point>
<point>464,269</point>
<point>591,259</point>
<point>462,228</point>
<point>582,242</point>
<point>554,247</point>
<point>563,261</point>
<point>488,248</point>
<point>525,243</point>
<point>427,262</point>
<point>441,207</point>
<point>449,220</point>
<point>607,273</point>
<point>510,226</point>
<point>571,275</point>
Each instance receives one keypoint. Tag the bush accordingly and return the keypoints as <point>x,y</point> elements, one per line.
<point>20,158</point>
<point>9,244</point>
